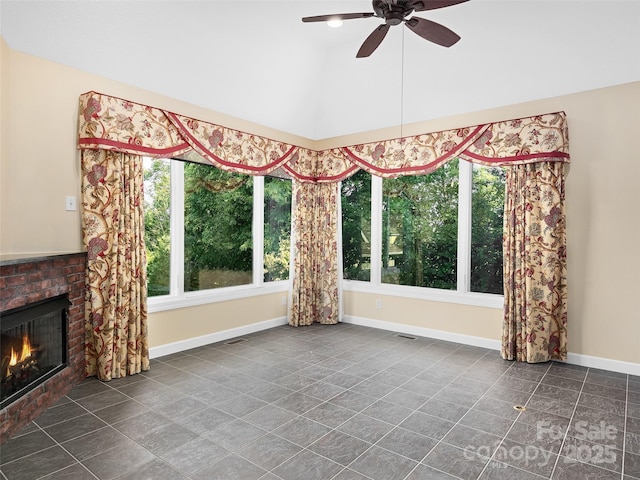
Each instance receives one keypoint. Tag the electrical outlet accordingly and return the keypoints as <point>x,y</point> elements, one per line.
<point>70,203</point>
<point>284,301</point>
<point>378,303</point>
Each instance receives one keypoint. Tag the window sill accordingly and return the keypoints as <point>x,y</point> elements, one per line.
<point>467,298</point>
<point>193,299</point>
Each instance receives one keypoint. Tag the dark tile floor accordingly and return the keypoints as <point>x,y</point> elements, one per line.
<point>339,402</point>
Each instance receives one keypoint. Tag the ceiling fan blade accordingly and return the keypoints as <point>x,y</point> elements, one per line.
<point>422,5</point>
<point>373,41</point>
<point>432,31</point>
<point>338,16</point>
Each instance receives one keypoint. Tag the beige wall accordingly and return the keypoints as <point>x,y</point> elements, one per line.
<point>448,317</point>
<point>178,325</point>
<point>4,138</point>
<point>38,106</point>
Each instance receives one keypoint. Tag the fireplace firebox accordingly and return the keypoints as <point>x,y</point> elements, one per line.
<point>28,280</point>
<point>33,346</point>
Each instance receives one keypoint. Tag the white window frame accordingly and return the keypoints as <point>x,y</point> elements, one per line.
<point>178,298</point>
<point>462,295</point>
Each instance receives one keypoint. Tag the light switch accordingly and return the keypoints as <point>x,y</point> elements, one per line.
<point>70,203</point>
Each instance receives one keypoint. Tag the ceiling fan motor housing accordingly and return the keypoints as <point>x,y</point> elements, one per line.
<point>393,11</point>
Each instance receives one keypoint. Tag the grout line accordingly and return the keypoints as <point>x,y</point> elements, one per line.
<point>350,470</point>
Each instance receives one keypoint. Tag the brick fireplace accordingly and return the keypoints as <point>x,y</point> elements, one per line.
<point>31,280</point>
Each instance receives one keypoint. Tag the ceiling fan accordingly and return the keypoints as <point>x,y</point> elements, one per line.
<point>394,12</point>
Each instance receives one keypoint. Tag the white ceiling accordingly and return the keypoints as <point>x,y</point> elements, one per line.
<point>257,61</point>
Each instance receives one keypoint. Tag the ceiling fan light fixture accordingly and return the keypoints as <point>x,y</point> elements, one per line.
<point>395,12</point>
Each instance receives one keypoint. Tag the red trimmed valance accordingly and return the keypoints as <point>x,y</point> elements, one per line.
<point>106,122</point>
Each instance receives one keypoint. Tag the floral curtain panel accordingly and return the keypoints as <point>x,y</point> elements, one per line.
<point>116,287</point>
<point>110,123</point>
<point>315,295</point>
<point>535,264</point>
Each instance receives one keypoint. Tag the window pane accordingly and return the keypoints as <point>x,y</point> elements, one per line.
<point>420,229</point>
<point>218,212</point>
<point>356,226</point>
<point>277,228</point>
<point>487,212</point>
<point>157,227</point>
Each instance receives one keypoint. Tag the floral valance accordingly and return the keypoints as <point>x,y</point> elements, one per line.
<point>111,123</point>
<point>513,142</point>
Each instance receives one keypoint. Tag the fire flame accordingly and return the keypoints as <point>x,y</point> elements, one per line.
<point>14,358</point>
<point>24,354</point>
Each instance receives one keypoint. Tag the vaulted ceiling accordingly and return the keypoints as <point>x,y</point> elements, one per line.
<point>257,61</point>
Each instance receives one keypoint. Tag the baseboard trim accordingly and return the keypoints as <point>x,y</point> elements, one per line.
<point>590,361</point>
<point>195,342</point>
<point>424,332</point>
<point>619,366</point>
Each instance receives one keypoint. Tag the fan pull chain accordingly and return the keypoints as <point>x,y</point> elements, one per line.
<point>402,94</point>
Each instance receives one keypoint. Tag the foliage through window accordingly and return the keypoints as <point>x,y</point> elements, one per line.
<point>356,226</point>
<point>157,225</point>
<point>420,229</point>
<point>487,212</point>
<point>277,228</point>
<point>218,215</point>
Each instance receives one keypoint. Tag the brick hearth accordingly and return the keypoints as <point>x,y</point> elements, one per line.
<point>27,280</point>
